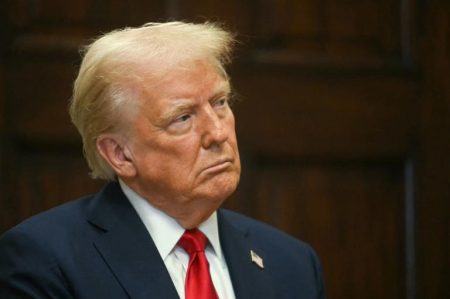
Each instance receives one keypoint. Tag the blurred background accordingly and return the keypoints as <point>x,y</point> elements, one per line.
<point>343,123</point>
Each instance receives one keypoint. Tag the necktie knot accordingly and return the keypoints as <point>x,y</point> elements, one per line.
<point>192,241</point>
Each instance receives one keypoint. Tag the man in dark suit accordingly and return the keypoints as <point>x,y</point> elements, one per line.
<point>152,107</point>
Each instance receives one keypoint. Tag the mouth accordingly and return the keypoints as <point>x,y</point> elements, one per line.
<point>219,165</point>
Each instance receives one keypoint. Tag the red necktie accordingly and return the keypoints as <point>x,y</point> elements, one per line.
<point>198,279</point>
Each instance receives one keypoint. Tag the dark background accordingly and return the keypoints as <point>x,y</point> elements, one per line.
<point>343,124</point>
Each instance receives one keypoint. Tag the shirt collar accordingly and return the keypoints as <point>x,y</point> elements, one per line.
<point>165,230</point>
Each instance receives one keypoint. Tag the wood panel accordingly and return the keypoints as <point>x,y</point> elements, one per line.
<point>235,15</point>
<point>338,100</point>
<point>4,222</point>
<point>46,98</point>
<point>45,179</point>
<point>356,208</point>
<point>57,16</point>
<point>346,35</point>
<point>313,115</point>
<point>351,136</point>
<point>433,206</point>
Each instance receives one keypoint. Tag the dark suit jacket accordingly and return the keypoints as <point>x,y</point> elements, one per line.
<point>97,247</point>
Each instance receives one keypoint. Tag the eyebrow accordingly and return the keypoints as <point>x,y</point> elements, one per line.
<point>175,110</point>
<point>184,105</point>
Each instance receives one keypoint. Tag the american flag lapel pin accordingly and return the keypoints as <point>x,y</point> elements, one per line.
<point>256,259</point>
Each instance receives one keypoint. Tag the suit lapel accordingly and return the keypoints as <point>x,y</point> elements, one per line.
<point>128,249</point>
<point>130,253</point>
<point>249,280</point>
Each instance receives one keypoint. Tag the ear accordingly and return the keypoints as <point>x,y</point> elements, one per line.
<point>113,150</point>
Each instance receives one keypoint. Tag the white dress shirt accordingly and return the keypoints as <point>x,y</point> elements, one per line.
<point>166,232</point>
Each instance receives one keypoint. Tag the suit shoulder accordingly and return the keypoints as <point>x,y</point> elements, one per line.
<point>264,232</point>
<point>54,220</point>
<point>285,255</point>
<point>40,241</point>
<point>32,251</point>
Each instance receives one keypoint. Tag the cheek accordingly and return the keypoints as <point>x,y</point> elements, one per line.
<point>173,160</point>
<point>232,139</point>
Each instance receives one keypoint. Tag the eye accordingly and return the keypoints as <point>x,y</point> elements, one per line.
<point>182,118</point>
<point>180,124</point>
<point>220,102</point>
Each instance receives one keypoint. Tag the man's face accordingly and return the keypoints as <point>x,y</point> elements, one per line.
<point>183,144</point>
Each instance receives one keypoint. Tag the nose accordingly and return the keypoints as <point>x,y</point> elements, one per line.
<point>214,129</point>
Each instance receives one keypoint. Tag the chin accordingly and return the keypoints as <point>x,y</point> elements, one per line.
<point>221,189</point>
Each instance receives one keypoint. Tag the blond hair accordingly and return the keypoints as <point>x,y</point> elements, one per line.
<point>103,91</point>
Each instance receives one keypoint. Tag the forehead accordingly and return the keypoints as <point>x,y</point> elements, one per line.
<point>194,81</point>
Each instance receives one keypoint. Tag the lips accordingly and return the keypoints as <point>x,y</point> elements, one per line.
<point>219,165</point>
